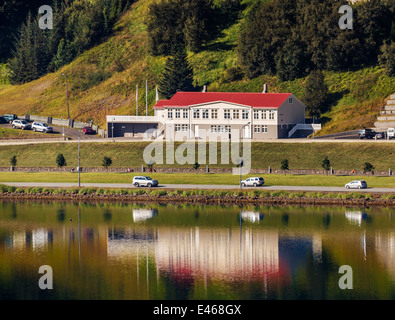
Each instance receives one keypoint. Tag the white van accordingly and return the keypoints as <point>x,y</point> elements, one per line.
<point>391,133</point>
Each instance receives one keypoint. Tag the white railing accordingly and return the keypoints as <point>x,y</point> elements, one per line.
<point>304,126</point>
<point>141,119</point>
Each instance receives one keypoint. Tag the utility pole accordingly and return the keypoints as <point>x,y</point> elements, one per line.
<point>79,159</point>
<point>67,96</point>
<point>146,98</point>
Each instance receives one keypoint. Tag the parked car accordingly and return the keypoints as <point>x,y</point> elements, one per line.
<point>88,130</point>
<point>356,184</point>
<point>2,120</point>
<point>140,181</point>
<point>391,133</point>
<point>10,117</point>
<point>380,135</point>
<point>366,133</point>
<point>42,127</point>
<point>253,182</point>
<point>21,124</point>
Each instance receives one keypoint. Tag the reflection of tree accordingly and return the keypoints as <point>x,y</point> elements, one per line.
<point>13,211</point>
<point>326,221</point>
<point>107,215</point>
<point>61,215</point>
<point>285,219</point>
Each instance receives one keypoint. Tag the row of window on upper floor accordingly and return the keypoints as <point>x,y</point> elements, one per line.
<point>227,114</point>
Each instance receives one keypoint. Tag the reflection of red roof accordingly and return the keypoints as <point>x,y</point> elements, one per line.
<point>255,100</point>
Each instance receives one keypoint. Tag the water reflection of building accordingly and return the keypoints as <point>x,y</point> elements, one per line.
<point>355,217</point>
<point>251,216</point>
<point>385,250</point>
<point>140,215</point>
<point>218,253</point>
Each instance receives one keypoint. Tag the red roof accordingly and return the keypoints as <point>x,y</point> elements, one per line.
<point>255,100</point>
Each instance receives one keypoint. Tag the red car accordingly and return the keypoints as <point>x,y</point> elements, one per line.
<point>88,130</point>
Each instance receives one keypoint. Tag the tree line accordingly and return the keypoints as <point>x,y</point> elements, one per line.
<point>291,38</point>
<point>77,26</point>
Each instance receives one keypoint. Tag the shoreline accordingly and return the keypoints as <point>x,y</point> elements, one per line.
<point>242,199</point>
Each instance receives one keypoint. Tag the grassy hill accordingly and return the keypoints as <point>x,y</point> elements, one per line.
<point>103,80</point>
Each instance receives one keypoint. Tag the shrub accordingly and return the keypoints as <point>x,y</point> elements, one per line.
<point>61,161</point>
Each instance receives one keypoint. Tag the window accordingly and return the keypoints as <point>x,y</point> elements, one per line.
<point>178,113</point>
<point>256,114</point>
<point>264,115</point>
<point>227,114</point>
<point>236,114</point>
<point>196,113</point>
<point>291,100</point>
<point>205,113</point>
<point>257,129</point>
<point>184,127</point>
<point>220,128</point>
<point>271,114</point>
<point>213,128</point>
<point>185,113</point>
<point>227,129</point>
<point>214,114</point>
<point>177,128</point>
<point>264,129</point>
<point>170,113</point>
<point>245,114</point>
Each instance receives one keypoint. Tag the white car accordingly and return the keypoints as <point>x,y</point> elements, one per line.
<point>356,184</point>
<point>42,127</point>
<point>20,124</point>
<point>391,133</point>
<point>140,181</point>
<point>253,182</point>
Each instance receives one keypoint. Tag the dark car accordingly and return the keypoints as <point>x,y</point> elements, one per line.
<point>88,130</point>
<point>380,135</point>
<point>10,117</point>
<point>366,133</point>
<point>2,120</point>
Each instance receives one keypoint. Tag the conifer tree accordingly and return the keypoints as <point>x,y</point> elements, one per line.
<point>178,74</point>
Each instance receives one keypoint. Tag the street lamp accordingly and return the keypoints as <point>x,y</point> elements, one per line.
<point>241,161</point>
<point>67,96</point>
<point>79,159</point>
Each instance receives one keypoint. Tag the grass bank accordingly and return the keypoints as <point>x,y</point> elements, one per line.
<point>199,196</point>
<point>342,155</point>
<point>193,178</point>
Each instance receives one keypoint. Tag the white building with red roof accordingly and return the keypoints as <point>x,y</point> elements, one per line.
<point>222,115</point>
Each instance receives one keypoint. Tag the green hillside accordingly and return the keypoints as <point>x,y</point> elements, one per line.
<point>103,79</point>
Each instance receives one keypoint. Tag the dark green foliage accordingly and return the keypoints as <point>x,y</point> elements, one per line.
<point>387,58</point>
<point>326,164</point>
<point>77,26</point>
<point>178,74</point>
<point>13,14</point>
<point>30,57</point>
<point>106,162</point>
<point>173,23</point>
<point>368,167</point>
<point>284,165</point>
<point>13,161</point>
<point>60,160</point>
<point>290,38</point>
<point>196,165</point>
<point>316,94</point>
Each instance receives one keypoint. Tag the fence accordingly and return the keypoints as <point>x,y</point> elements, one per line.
<point>61,122</point>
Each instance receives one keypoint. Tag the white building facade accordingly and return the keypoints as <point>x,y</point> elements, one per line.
<point>217,115</point>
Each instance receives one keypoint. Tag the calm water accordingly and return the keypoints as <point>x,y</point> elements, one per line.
<point>114,251</point>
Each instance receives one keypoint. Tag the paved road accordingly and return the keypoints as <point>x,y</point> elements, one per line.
<point>195,186</point>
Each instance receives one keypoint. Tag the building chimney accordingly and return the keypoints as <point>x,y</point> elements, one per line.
<point>264,88</point>
<point>204,88</point>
